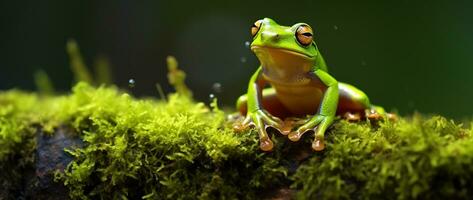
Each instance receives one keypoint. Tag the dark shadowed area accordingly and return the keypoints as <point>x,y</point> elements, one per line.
<point>405,55</point>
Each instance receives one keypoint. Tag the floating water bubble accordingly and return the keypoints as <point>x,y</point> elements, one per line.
<point>335,27</point>
<point>243,59</point>
<point>247,44</point>
<point>211,97</point>
<point>217,87</point>
<point>131,83</point>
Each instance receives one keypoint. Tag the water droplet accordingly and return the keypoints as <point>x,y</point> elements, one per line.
<point>247,44</point>
<point>211,97</point>
<point>363,63</point>
<point>131,83</point>
<point>217,87</point>
<point>243,59</point>
<point>335,27</point>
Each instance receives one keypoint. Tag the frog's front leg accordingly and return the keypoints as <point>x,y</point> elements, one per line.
<point>256,115</point>
<point>320,122</point>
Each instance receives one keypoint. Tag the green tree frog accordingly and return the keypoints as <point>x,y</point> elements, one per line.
<point>299,86</point>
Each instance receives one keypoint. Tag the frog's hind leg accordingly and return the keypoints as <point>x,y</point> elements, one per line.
<point>378,113</point>
<point>354,104</point>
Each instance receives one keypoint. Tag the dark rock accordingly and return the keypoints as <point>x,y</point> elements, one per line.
<point>50,157</point>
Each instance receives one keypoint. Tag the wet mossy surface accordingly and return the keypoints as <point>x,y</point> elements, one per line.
<point>103,143</point>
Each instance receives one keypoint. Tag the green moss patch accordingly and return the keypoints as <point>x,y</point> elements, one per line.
<point>414,158</point>
<point>182,149</point>
<point>16,140</point>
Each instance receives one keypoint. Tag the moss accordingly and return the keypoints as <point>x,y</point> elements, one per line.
<point>181,149</point>
<point>147,148</point>
<point>157,150</point>
<point>78,67</point>
<point>43,83</point>
<point>16,139</point>
<point>103,71</point>
<point>417,157</point>
<point>177,77</point>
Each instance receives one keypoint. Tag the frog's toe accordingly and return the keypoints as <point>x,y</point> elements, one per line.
<point>285,129</point>
<point>266,144</point>
<point>352,117</point>
<point>240,127</point>
<point>295,136</point>
<point>288,124</point>
<point>243,124</point>
<point>373,115</point>
<point>318,144</point>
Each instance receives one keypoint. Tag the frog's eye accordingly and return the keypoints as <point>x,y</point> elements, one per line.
<point>304,35</point>
<point>255,28</point>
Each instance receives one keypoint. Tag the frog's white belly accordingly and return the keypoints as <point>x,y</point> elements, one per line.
<point>300,100</point>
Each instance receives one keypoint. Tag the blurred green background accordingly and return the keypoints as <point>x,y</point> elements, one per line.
<point>409,56</point>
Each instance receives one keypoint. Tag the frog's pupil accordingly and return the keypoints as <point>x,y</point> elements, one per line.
<point>307,34</point>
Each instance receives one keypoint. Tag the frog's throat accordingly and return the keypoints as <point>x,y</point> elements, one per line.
<point>283,66</point>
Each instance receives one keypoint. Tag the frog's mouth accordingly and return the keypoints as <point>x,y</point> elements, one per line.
<point>256,48</point>
<point>283,66</point>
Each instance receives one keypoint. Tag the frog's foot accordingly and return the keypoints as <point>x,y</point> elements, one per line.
<point>352,117</point>
<point>245,124</point>
<point>263,121</point>
<point>318,124</point>
<point>377,114</point>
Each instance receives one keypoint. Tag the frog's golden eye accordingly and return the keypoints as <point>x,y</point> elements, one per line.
<point>304,35</point>
<point>255,28</point>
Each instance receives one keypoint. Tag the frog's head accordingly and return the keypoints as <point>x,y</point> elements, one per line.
<point>283,46</point>
<point>297,38</point>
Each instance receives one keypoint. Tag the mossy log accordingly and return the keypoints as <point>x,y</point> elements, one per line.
<point>103,143</point>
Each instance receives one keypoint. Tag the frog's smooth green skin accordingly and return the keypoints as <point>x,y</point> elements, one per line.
<point>300,85</point>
